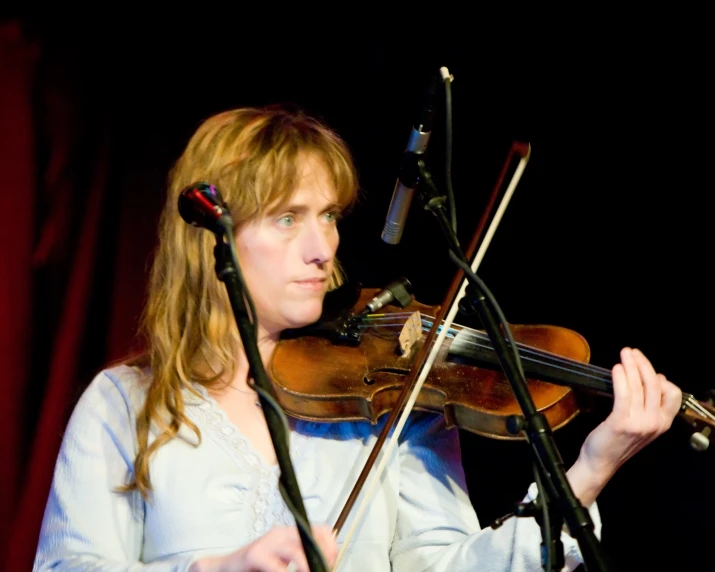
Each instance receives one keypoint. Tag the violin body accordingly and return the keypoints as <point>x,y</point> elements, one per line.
<point>317,380</point>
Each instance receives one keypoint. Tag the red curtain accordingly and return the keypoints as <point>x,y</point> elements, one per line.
<point>81,177</point>
<point>71,287</point>
<point>17,183</point>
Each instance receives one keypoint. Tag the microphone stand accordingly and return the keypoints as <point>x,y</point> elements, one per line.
<point>556,498</point>
<point>228,271</point>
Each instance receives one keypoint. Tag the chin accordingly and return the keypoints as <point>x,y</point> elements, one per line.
<point>305,316</point>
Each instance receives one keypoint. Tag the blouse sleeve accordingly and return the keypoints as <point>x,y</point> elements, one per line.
<point>88,525</point>
<point>437,528</point>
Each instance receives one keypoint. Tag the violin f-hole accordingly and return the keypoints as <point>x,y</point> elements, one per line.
<point>368,378</point>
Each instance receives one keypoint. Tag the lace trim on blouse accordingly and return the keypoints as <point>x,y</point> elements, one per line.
<point>263,496</point>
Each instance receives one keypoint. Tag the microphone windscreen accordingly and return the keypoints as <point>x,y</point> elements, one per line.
<point>201,205</point>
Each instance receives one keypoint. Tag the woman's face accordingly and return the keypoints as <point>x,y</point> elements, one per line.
<point>287,254</point>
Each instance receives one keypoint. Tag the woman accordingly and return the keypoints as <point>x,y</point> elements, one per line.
<point>169,465</point>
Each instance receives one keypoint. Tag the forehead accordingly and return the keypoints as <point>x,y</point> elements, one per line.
<point>313,187</point>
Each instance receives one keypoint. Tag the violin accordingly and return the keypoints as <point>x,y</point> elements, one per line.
<point>320,373</point>
<point>368,364</point>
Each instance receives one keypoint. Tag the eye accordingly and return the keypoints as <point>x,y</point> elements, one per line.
<point>332,216</point>
<point>286,220</point>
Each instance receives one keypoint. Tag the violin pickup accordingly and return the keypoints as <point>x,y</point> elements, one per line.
<point>346,330</point>
<point>410,334</point>
<point>398,292</point>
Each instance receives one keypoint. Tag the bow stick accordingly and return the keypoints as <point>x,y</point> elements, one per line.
<point>413,385</point>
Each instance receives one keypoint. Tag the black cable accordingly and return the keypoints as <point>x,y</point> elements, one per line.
<point>277,421</point>
<point>549,556</point>
<point>239,276</point>
<point>448,152</point>
<point>493,305</point>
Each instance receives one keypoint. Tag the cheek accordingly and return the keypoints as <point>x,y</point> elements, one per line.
<point>256,259</point>
<point>261,268</point>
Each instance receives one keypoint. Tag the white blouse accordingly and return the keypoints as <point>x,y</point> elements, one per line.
<point>214,496</point>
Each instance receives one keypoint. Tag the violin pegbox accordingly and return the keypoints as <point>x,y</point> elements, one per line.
<point>410,334</point>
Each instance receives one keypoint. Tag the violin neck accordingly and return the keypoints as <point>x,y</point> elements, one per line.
<point>474,347</point>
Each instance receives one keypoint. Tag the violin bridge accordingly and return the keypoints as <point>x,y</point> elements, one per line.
<point>411,332</point>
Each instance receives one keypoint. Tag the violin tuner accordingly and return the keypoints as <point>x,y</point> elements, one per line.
<point>699,440</point>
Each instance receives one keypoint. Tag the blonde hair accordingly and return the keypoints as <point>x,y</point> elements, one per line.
<point>253,156</point>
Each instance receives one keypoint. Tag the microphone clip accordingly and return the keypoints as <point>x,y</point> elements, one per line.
<point>431,198</point>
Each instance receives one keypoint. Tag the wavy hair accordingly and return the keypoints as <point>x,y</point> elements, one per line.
<point>253,156</point>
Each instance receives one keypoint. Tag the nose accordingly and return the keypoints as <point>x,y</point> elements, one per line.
<point>320,243</point>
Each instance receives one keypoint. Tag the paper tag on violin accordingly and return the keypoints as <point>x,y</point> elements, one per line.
<point>411,332</point>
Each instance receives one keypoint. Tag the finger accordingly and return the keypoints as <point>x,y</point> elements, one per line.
<point>275,563</point>
<point>672,399</point>
<point>271,563</point>
<point>290,558</point>
<point>651,384</point>
<point>634,379</point>
<point>621,391</point>
<point>295,559</point>
<point>326,540</point>
<point>298,564</point>
<point>263,561</point>
<point>285,548</point>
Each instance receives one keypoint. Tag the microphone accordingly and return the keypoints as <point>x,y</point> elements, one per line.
<point>409,171</point>
<point>398,292</point>
<point>201,205</point>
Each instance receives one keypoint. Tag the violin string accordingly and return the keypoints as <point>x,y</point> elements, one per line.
<point>391,314</point>
<point>695,405</point>
<point>535,355</point>
<point>390,325</point>
<point>532,355</point>
<point>559,364</point>
<point>426,324</point>
<point>476,333</point>
<point>688,400</point>
<point>527,353</point>
<point>450,334</point>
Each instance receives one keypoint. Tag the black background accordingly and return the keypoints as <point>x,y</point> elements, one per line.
<point>608,232</point>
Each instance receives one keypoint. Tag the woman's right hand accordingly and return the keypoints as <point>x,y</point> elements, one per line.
<point>272,552</point>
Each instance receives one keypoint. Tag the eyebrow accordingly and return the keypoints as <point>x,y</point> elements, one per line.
<point>301,208</point>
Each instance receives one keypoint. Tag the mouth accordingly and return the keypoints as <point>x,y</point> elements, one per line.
<point>311,284</point>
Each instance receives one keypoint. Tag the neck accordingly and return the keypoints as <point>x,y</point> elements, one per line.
<point>266,342</point>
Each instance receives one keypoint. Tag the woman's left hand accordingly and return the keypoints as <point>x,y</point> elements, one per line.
<point>644,406</point>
